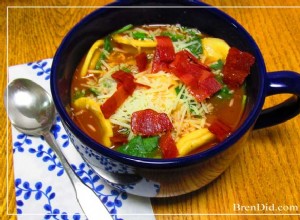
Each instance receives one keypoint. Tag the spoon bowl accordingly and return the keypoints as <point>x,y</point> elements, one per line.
<point>31,111</point>
<point>29,107</point>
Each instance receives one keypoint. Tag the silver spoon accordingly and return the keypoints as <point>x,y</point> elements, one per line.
<point>31,111</point>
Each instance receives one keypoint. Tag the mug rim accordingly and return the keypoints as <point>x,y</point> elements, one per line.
<point>161,163</point>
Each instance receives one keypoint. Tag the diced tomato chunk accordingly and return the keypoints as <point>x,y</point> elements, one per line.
<point>189,80</point>
<point>210,85</point>
<point>165,49</point>
<point>159,66</point>
<point>199,93</point>
<point>122,76</point>
<point>141,61</point>
<point>205,88</point>
<point>196,76</point>
<point>125,79</point>
<point>220,129</point>
<point>110,106</point>
<point>163,55</point>
<point>168,146</point>
<point>118,138</point>
<point>149,122</point>
<point>186,62</point>
<point>237,67</point>
<point>126,87</point>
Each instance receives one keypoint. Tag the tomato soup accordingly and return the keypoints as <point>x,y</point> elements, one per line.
<point>160,91</point>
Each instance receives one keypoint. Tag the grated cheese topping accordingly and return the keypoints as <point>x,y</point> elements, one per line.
<point>185,113</point>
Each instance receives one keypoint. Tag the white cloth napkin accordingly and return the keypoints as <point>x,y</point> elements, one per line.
<point>43,190</point>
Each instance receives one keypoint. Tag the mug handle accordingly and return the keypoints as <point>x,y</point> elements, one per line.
<point>281,82</point>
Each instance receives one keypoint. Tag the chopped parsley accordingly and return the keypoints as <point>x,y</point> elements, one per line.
<point>139,35</point>
<point>196,46</point>
<point>218,65</point>
<point>94,91</point>
<point>173,36</point>
<point>123,29</point>
<point>225,92</point>
<point>78,94</point>
<point>107,48</point>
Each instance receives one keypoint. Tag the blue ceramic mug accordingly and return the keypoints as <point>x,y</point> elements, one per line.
<point>158,177</point>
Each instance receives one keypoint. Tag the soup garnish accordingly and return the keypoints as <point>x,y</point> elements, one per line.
<point>160,91</point>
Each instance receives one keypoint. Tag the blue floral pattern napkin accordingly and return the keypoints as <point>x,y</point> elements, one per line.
<point>43,190</point>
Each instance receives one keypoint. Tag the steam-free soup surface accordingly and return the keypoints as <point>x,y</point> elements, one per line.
<point>160,91</point>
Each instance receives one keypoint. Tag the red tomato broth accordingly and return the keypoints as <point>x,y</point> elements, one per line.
<point>228,110</point>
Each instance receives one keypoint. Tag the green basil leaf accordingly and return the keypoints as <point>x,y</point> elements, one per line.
<point>139,35</point>
<point>140,147</point>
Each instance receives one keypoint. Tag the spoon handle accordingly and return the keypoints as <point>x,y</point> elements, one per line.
<point>90,203</point>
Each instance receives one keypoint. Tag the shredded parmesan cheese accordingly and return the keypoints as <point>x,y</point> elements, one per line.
<point>183,110</point>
